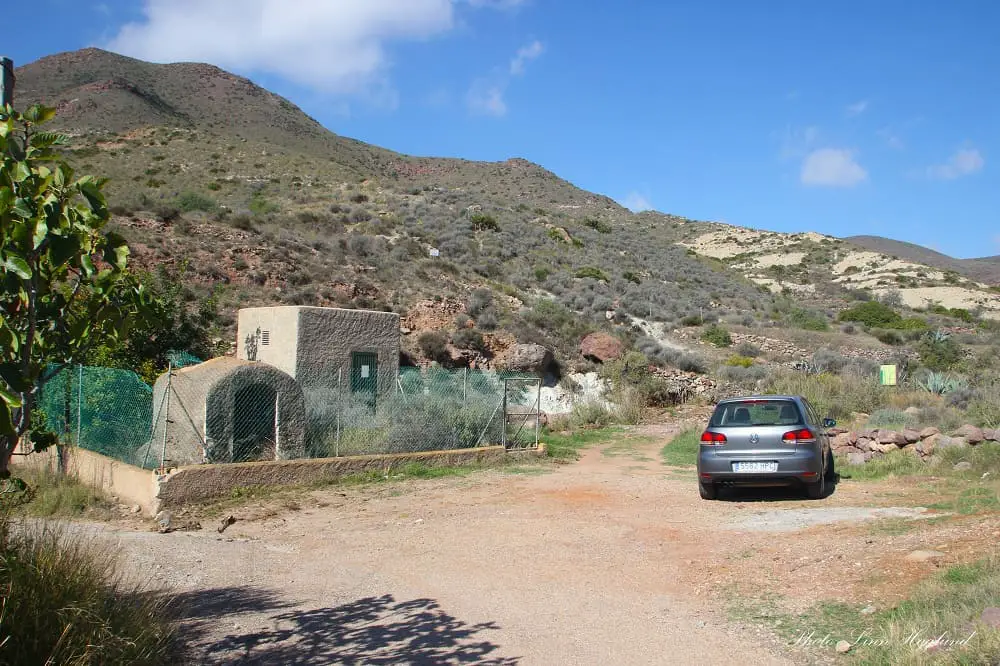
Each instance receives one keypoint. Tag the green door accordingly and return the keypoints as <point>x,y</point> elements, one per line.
<point>364,376</point>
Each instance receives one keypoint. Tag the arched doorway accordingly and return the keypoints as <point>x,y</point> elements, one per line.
<point>255,411</point>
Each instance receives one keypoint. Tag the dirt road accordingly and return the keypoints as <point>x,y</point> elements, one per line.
<point>613,559</point>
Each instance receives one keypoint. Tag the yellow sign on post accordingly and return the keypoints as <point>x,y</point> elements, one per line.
<point>887,375</point>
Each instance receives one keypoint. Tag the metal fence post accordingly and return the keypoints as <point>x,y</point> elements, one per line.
<point>340,406</point>
<point>538,412</point>
<point>79,403</point>
<point>166,416</point>
<point>465,388</point>
<point>6,81</point>
<point>503,418</point>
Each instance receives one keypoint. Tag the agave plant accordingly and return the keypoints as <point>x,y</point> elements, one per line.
<point>941,383</point>
<point>938,336</point>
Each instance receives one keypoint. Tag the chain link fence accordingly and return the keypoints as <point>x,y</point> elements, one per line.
<point>226,410</point>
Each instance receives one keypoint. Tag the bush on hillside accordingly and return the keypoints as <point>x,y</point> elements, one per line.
<point>872,314</point>
<point>717,335</point>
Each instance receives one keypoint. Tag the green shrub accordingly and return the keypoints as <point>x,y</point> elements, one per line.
<point>913,324</point>
<point>598,225</point>
<point>942,384</point>
<point>939,352</point>
<point>468,338</point>
<point>631,277</point>
<point>261,206</point>
<point>888,336</point>
<point>434,345</point>
<point>748,349</point>
<point>807,320</point>
<point>872,314</point>
<point>836,396</point>
<point>717,335</point>
<point>739,361</point>
<point>483,222</point>
<point>192,201</point>
<point>591,272</point>
<point>541,273</point>
<point>692,320</point>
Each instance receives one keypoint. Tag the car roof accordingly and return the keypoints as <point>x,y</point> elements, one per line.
<point>795,398</point>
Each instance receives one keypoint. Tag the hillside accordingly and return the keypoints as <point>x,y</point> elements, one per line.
<point>235,194</point>
<point>985,269</point>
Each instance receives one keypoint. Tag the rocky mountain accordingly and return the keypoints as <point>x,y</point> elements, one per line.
<point>240,196</point>
<point>985,269</point>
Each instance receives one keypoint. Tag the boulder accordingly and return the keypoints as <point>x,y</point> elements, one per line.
<point>925,447</point>
<point>864,444</point>
<point>929,432</point>
<point>601,347</point>
<point>885,448</point>
<point>970,433</point>
<point>945,442</point>
<point>856,458</point>
<point>963,466</point>
<point>528,358</point>
<point>891,437</point>
<point>841,441</point>
<point>912,411</point>
<point>912,436</point>
<point>991,435</point>
<point>852,437</point>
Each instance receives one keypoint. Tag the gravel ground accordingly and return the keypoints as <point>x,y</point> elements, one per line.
<point>588,563</point>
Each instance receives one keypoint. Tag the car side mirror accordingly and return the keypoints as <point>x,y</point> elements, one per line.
<point>829,423</point>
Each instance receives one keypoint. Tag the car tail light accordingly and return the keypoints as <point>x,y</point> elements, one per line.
<point>712,438</point>
<point>803,436</point>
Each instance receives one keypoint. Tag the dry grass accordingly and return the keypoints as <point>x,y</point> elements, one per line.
<point>65,602</point>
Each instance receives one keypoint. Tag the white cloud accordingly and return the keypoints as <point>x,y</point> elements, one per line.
<point>964,162</point>
<point>486,95</point>
<point>832,167</point>
<point>857,108</point>
<point>637,202</point>
<point>524,55</point>
<point>486,99</point>
<point>334,46</point>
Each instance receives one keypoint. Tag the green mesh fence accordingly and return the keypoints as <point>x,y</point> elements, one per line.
<point>225,412</point>
<point>104,410</point>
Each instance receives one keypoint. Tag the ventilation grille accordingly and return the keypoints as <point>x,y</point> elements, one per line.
<point>265,338</point>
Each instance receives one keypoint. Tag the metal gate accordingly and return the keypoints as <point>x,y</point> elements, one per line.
<point>522,410</point>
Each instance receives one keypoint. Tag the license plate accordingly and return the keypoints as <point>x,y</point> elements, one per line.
<point>755,467</point>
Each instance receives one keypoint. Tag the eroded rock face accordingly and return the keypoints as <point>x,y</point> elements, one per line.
<point>601,347</point>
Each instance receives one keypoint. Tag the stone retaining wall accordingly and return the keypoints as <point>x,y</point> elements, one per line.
<point>862,446</point>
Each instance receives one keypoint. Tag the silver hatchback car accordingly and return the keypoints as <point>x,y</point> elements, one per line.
<point>761,441</point>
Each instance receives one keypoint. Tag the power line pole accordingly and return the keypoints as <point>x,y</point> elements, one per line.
<point>6,81</point>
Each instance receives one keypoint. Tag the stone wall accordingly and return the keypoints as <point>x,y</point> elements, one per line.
<point>862,446</point>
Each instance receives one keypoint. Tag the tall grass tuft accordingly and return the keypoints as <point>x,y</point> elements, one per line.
<point>65,602</point>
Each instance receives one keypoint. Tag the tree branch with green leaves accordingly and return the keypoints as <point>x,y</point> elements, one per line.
<point>64,286</point>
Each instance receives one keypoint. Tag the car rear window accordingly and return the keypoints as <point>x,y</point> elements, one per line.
<point>748,413</point>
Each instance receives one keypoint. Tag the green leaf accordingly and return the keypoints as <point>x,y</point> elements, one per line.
<point>22,208</point>
<point>39,114</point>
<point>21,172</point>
<point>92,192</point>
<point>46,139</point>
<point>18,266</point>
<point>41,233</point>
<point>87,265</point>
<point>6,421</point>
<point>10,397</point>
<point>6,199</point>
<point>62,249</point>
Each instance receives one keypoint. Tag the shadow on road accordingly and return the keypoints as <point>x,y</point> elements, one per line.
<point>373,630</point>
<point>775,494</point>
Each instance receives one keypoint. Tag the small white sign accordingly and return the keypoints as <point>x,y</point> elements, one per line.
<point>365,372</point>
<point>435,252</point>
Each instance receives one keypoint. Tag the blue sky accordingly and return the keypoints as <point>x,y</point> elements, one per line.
<point>843,117</point>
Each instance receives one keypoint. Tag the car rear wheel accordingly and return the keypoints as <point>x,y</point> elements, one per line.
<point>831,470</point>
<point>708,491</point>
<point>817,489</point>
